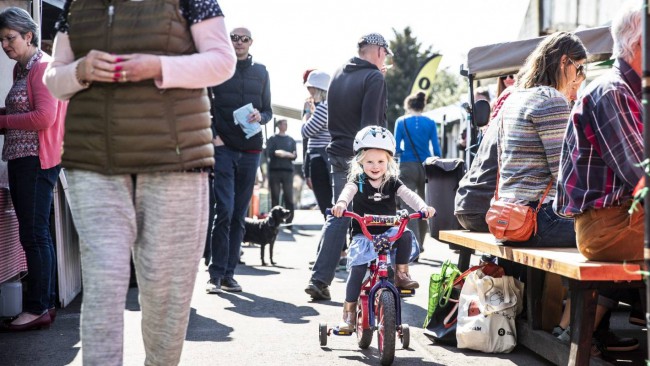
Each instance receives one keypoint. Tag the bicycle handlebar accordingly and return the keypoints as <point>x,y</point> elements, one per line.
<point>382,220</point>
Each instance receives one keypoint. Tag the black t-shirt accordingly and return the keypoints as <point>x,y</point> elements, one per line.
<point>371,201</point>
<point>280,142</point>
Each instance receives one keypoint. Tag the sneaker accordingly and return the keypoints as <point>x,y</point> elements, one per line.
<point>213,286</point>
<point>613,343</point>
<point>563,335</point>
<point>229,284</point>
<point>318,291</point>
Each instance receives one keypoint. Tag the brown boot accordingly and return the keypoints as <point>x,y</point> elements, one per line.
<point>349,317</point>
<point>402,278</point>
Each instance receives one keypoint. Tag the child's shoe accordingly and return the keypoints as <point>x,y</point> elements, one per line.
<point>349,317</point>
<point>402,278</point>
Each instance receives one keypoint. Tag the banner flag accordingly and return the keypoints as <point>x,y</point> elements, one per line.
<point>424,79</point>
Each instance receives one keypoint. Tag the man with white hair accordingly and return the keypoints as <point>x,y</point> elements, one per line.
<point>602,149</point>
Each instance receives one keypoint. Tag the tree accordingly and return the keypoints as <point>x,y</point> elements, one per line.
<point>407,60</point>
<point>446,87</point>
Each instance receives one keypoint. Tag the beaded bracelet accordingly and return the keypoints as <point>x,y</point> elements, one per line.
<point>84,83</point>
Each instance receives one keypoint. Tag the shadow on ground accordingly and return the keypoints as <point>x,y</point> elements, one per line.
<point>261,307</point>
<point>202,329</point>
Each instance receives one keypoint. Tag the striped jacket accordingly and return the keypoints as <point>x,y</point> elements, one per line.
<point>529,142</point>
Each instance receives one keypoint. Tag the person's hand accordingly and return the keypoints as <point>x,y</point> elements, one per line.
<point>308,181</point>
<point>430,212</point>
<point>255,116</point>
<point>309,106</point>
<point>99,66</point>
<point>338,209</point>
<point>137,67</point>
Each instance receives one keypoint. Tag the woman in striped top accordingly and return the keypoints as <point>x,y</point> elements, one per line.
<point>315,129</point>
<point>532,124</point>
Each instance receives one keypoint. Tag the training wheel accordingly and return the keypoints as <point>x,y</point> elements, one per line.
<point>322,334</point>
<point>405,336</point>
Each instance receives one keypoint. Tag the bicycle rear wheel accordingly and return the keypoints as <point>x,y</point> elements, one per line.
<point>386,327</point>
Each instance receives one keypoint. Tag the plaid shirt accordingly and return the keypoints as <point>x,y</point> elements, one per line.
<point>603,144</point>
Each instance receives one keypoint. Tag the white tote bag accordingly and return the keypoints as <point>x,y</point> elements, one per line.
<point>487,311</point>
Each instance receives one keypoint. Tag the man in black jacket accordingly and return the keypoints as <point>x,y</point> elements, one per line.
<point>237,156</point>
<point>356,98</point>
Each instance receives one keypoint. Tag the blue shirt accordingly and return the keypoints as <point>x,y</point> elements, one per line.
<point>424,134</point>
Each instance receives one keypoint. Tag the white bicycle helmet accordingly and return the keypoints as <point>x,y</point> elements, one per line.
<point>374,137</point>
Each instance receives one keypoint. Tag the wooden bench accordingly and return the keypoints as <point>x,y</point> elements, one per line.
<point>584,277</point>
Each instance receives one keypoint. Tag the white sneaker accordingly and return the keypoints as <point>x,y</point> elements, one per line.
<point>213,286</point>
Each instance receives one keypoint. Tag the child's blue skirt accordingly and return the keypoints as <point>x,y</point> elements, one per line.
<point>362,250</point>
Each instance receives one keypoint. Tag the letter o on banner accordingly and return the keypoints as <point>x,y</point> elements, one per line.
<point>424,83</point>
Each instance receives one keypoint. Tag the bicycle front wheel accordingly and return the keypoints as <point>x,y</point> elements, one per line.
<point>386,327</point>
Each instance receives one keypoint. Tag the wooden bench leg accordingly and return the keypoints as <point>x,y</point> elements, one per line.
<point>534,290</point>
<point>464,256</point>
<point>583,312</point>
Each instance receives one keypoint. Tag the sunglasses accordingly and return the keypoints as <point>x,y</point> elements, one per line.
<point>507,77</point>
<point>237,37</point>
<point>581,69</point>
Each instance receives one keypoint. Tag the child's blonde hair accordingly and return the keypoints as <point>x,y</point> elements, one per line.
<point>356,173</point>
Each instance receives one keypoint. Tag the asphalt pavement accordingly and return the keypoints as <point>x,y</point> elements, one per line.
<point>272,322</point>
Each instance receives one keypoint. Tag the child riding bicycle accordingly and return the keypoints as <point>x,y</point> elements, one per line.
<point>372,187</point>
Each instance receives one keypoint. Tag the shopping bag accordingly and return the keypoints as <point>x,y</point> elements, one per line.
<point>487,310</point>
<point>444,294</point>
<point>440,323</point>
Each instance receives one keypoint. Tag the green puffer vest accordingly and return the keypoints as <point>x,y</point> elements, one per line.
<point>127,128</point>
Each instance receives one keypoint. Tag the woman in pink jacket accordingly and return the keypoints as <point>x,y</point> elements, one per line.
<point>33,125</point>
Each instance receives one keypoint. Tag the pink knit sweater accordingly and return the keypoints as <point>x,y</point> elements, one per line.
<point>46,116</point>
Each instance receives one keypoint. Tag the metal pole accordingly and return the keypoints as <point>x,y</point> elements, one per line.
<point>646,138</point>
<point>469,141</point>
<point>37,15</point>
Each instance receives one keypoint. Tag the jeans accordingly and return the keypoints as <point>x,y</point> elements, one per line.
<point>334,231</point>
<point>553,231</point>
<point>31,191</point>
<point>282,180</point>
<point>412,175</point>
<point>234,178</point>
<point>473,222</point>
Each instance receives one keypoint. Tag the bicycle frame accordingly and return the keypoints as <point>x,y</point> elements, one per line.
<point>378,280</point>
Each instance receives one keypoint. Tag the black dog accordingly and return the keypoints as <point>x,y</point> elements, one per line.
<point>265,231</point>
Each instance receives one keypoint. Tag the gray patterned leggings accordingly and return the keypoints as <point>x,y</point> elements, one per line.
<point>162,219</point>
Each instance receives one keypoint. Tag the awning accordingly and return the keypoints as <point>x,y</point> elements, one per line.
<point>506,58</point>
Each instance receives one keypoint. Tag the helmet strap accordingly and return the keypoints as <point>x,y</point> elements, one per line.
<point>361,177</point>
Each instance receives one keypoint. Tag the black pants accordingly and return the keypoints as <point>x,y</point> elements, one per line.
<point>282,180</point>
<point>320,180</point>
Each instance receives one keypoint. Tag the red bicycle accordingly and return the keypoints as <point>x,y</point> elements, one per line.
<point>378,306</point>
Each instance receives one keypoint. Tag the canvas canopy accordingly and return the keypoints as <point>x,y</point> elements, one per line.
<point>506,58</point>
